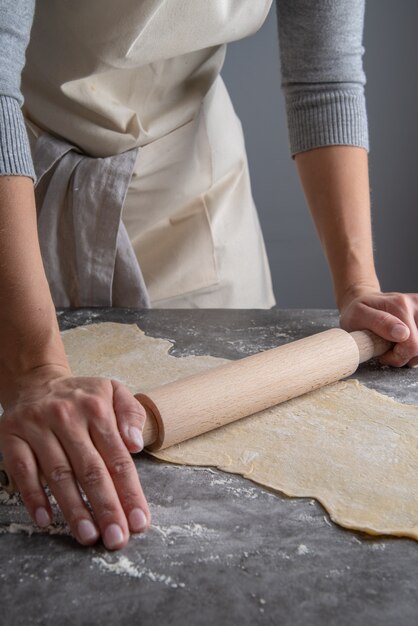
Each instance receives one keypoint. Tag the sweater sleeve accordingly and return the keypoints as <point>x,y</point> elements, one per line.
<point>322,72</point>
<point>16,18</point>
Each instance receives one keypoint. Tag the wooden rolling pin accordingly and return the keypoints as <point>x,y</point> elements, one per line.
<point>194,405</point>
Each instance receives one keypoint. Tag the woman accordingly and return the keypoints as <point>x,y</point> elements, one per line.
<point>143,196</point>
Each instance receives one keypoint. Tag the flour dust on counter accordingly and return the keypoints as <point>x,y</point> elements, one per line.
<point>349,447</point>
<point>14,518</point>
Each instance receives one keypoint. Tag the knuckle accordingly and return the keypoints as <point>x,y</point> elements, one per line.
<point>407,349</point>
<point>134,414</point>
<point>95,406</point>
<point>139,411</point>
<point>413,351</point>
<point>60,473</point>
<point>121,467</point>
<point>383,318</point>
<point>21,470</point>
<point>401,300</point>
<point>92,475</point>
<point>61,410</point>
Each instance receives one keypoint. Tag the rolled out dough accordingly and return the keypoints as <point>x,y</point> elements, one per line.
<point>351,448</point>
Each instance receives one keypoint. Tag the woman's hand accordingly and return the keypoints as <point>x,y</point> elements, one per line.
<point>78,433</point>
<point>393,316</point>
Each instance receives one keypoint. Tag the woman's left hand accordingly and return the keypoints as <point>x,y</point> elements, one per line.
<point>393,316</point>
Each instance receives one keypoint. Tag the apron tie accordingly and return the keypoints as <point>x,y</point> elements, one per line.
<point>87,255</point>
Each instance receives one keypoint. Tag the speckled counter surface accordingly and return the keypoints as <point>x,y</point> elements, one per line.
<point>221,550</point>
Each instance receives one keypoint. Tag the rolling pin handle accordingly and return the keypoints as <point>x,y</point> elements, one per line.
<point>370,345</point>
<point>153,430</point>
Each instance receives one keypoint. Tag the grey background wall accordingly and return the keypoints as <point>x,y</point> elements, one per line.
<point>300,273</point>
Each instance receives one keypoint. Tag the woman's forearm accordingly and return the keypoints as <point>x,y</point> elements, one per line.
<point>29,334</point>
<point>74,431</point>
<point>336,185</point>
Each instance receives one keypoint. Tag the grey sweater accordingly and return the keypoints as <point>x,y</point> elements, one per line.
<point>322,76</point>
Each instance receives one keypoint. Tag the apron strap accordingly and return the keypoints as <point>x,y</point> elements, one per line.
<point>87,254</point>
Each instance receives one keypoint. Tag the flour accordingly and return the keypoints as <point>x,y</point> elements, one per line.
<point>187,530</point>
<point>30,529</point>
<point>122,566</point>
<point>14,518</point>
<point>230,485</point>
<point>10,499</point>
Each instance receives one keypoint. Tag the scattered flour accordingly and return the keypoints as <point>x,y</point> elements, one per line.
<point>10,499</point>
<point>16,520</point>
<point>187,530</point>
<point>124,567</point>
<point>30,529</point>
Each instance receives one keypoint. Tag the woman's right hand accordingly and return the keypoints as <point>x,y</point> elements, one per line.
<point>77,432</point>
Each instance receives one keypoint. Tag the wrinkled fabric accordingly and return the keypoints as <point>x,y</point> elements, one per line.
<point>111,78</point>
<point>87,254</point>
<point>104,74</point>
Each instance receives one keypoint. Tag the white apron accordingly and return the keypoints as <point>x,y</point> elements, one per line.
<point>110,76</point>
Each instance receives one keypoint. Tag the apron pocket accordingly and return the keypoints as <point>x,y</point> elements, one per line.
<point>177,256</point>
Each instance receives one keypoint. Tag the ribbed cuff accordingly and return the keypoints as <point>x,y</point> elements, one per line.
<point>15,154</point>
<point>326,119</point>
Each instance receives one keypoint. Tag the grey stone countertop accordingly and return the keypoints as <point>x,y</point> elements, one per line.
<point>221,549</point>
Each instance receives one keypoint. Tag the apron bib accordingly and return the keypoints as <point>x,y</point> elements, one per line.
<point>111,77</point>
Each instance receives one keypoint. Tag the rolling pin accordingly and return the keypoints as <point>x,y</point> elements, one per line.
<point>188,407</point>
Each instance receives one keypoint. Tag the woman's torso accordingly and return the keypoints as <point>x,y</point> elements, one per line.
<point>110,76</point>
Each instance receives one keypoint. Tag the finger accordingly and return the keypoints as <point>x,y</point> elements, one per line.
<point>90,469</point>
<point>62,483</point>
<point>130,416</point>
<point>414,361</point>
<point>93,477</point>
<point>20,464</point>
<point>383,323</point>
<point>404,351</point>
<point>124,475</point>
<point>392,328</point>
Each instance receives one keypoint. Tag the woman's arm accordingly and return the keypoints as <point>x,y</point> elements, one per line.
<point>29,335</point>
<point>77,431</point>
<point>336,184</point>
<point>323,81</point>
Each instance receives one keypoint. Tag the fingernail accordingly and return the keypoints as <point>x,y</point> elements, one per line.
<point>87,530</point>
<point>399,332</point>
<point>42,517</point>
<point>136,437</point>
<point>137,520</point>
<point>113,536</point>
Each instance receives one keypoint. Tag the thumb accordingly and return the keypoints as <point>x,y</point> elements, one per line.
<point>380,322</point>
<point>130,417</point>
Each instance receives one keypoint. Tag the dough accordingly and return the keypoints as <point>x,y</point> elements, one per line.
<point>351,448</point>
